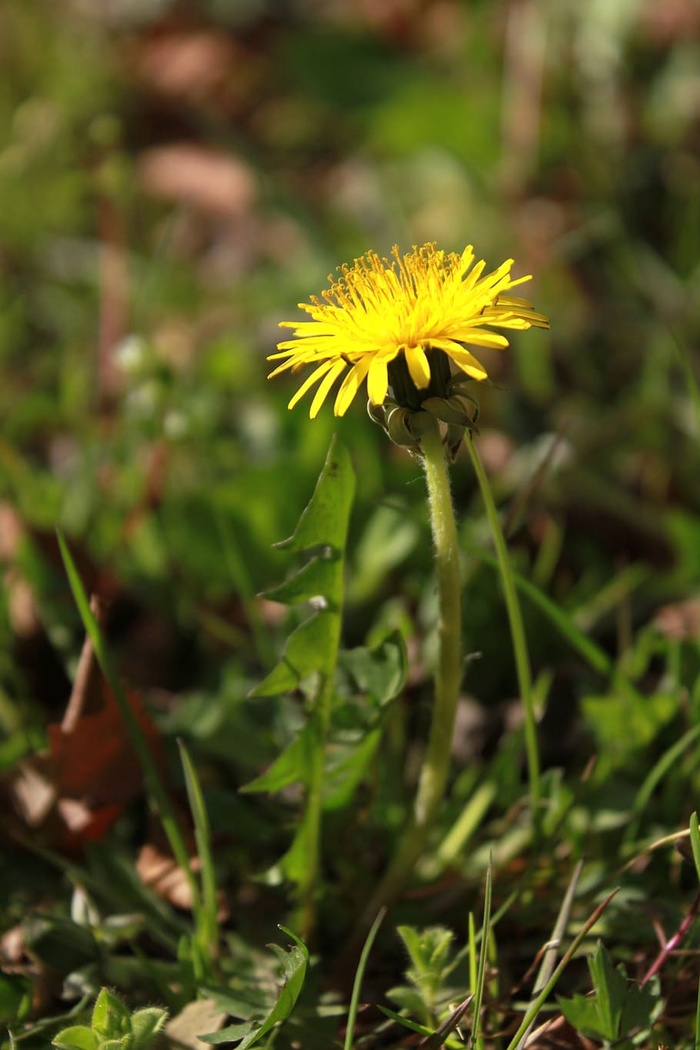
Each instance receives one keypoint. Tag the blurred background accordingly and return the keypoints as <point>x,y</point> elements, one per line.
<point>176,176</point>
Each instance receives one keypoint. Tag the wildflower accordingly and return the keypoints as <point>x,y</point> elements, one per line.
<point>398,323</point>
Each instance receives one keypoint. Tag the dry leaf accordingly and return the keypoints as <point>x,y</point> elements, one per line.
<point>76,790</point>
<point>212,181</point>
<point>195,1019</point>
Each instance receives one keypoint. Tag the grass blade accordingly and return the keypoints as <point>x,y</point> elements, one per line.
<point>155,788</point>
<point>208,930</point>
<point>357,983</point>
<point>481,972</point>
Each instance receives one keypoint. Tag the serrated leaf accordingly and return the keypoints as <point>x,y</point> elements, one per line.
<point>610,988</point>
<point>618,1007</point>
<point>316,578</point>
<point>325,520</point>
<point>294,862</point>
<point>639,1008</point>
<point>300,657</point>
<point>582,1014</point>
<point>290,767</point>
<point>346,767</point>
<point>380,670</point>
<point>294,965</point>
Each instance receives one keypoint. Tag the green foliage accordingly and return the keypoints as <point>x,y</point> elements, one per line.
<point>293,967</point>
<point>619,1013</point>
<point>322,526</point>
<point>113,1027</point>
<point>432,960</point>
<point>312,650</point>
<point>15,999</point>
<point>333,748</point>
<point>139,297</point>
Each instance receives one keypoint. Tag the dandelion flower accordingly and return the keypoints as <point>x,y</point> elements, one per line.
<point>418,311</point>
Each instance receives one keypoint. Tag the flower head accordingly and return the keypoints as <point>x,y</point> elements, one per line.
<point>381,310</point>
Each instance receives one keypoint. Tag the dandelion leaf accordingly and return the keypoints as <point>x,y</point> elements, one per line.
<point>379,671</point>
<point>315,580</point>
<point>618,1006</point>
<point>300,657</point>
<point>295,861</point>
<point>290,767</point>
<point>346,768</point>
<point>294,963</point>
<point>325,520</point>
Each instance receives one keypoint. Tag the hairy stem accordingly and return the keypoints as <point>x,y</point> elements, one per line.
<point>448,676</point>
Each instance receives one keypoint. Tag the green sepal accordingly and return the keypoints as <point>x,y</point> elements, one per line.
<point>455,410</point>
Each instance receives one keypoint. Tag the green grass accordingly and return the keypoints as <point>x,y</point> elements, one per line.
<point>137,423</point>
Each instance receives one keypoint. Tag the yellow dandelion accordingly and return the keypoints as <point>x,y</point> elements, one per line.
<point>381,310</point>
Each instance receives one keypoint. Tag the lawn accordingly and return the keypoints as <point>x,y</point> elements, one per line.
<point>380,728</point>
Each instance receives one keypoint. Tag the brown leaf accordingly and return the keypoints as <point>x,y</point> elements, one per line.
<point>212,181</point>
<point>198,1018</point>
<point>76,790</point>
<point>95,762</point>
<point>158,869</point>
<point>192,66</point>
<point>680,621</point>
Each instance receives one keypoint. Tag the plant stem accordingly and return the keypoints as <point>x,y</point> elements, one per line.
<point>155,786</point>
<point>448,676</point>
<point>309,884</point>
<point>517,632</point>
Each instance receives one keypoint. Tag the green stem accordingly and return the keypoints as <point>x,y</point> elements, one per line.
<point>448,677</point>
<point>308,887</point>
<point>517,632</point>
<point>156,789</point>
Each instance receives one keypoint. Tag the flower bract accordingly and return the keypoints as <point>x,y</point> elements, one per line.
<point>380,309</point>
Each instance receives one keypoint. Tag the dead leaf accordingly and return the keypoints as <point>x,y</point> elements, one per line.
<point>162,873</point>
<point>95,761</point>
<point>204,178</point>
<point>198,1018</point>
<point>77,789</point>
<point>680,621</point>
<point>191,66</point>
<point>158,869</point>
